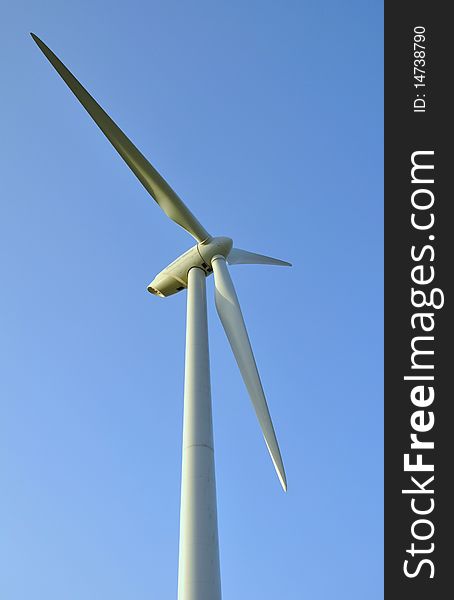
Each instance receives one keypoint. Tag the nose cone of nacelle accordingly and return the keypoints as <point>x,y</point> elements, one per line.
<point>164,285</point>
<point>153,290</point>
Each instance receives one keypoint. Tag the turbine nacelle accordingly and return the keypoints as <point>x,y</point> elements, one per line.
<point>174,278</point>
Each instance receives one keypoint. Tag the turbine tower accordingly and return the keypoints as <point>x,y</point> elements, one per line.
<point>198,571</point>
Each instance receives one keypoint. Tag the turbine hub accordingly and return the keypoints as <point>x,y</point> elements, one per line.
<point>217,245</point>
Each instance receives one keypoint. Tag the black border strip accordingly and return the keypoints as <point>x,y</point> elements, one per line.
<point>407,132</point>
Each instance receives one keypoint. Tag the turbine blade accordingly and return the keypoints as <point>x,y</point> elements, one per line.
<point>243,257</point>
<point>229,312</point>
<point>152,181</point>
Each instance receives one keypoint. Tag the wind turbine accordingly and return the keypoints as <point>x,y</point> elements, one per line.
<point>198,571</point>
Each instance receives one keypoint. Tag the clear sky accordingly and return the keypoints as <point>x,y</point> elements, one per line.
<point>266,118</point>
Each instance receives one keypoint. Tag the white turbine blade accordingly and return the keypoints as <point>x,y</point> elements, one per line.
<point>243,257</point>
<point>229,312</point>
<point>152,181</point>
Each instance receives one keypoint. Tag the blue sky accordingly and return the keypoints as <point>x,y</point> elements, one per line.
<point>266,118</point>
